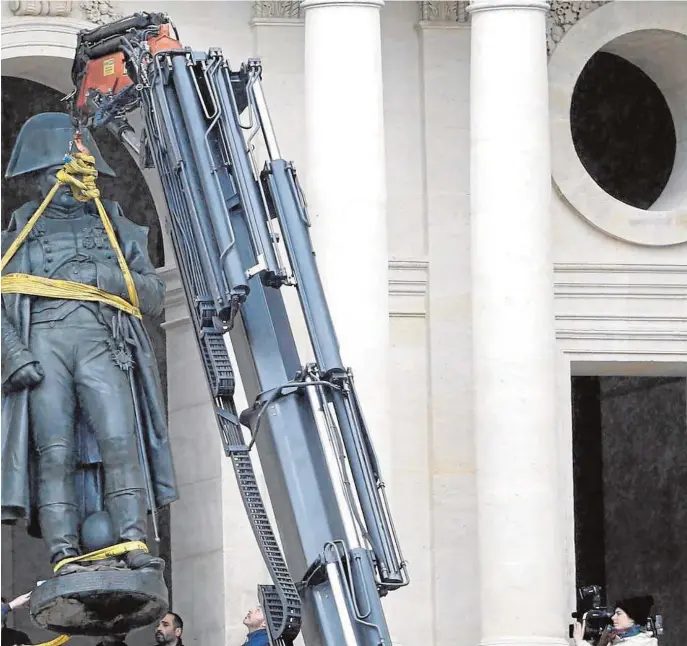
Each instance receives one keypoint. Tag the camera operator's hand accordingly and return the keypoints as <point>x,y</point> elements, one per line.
<point>606,637</point>
<point>578,633</point>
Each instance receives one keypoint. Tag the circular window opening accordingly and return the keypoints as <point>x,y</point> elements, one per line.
<point>623,130</point>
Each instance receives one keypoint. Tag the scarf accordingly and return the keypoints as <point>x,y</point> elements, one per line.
<point>626,633</point>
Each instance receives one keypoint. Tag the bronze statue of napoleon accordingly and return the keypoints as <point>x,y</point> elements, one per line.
<point>85,452</point>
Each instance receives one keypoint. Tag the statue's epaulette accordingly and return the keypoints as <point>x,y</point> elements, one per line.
<point>21,215</point>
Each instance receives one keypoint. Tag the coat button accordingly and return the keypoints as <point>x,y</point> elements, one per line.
<point>48,259</point>
<point>76,271</point>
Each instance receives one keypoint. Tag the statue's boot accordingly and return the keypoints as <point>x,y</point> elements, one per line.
<point>140,560</point>
<point>128,511</point>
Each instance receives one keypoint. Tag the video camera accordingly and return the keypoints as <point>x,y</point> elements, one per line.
<point>592,609</point>
<point>597,615</point>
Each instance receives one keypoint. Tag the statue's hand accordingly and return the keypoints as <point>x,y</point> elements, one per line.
<point>27,376</point>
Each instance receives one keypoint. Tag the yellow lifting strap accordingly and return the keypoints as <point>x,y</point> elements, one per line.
<point>104,553</point>
<point>58,641</point>
<point>98,555</point>
<point>82,164</point>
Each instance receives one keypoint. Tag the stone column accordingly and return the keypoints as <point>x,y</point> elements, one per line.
<point>346,189</point>
<point>520,539</point>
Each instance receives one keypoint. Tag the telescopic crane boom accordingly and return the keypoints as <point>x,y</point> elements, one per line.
<point>240,233</point>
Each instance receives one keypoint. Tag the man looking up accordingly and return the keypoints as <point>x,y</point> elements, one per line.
<point>169,630</point>
<point>257,628</point>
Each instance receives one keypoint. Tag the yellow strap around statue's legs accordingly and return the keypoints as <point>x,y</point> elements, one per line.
<point>98,555</point>
<point>58,641</point>
<point>104,553</point>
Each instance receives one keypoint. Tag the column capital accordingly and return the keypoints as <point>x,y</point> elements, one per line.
<point>495,5</point>
<point>312,4</point>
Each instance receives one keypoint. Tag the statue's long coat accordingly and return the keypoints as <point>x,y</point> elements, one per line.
<point>18,498</point>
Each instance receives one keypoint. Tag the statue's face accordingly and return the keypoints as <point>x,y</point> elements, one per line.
<point>64,196</point>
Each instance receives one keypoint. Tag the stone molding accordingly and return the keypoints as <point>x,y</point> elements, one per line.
<point>561,17</point>
<point>407,291</point>
<point>605,309</point>
<point>62,8</point>
<point>441,11</point>
<point>280,9</point>
<point>408,288</point>
<point>96,11</point>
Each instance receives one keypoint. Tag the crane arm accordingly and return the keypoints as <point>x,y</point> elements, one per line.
<point>240,232</point>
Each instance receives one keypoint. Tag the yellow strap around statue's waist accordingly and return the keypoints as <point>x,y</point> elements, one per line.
<point>84,165</point>
<point>66,289</point>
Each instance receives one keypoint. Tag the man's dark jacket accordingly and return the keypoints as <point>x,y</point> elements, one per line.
<point>257,638</point>
<point>12,637</point>
<point>18,473</point>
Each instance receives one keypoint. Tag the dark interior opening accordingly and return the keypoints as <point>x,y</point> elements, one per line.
<point>630,483</point>
<point>623,130</point>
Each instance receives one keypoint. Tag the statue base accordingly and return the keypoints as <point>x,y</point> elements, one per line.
<point>100,603</point>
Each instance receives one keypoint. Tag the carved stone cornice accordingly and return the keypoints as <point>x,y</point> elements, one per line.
<point>441,11</point>
<point>97,11</point>
<point>60,8</point>
<point>563,16</point>
<point>278,9</point>
<point>100,11</point>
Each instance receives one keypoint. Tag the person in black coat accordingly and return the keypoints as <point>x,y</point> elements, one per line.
<point>10,636</point>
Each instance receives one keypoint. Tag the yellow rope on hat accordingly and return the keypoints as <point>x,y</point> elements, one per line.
<point>84,190</point>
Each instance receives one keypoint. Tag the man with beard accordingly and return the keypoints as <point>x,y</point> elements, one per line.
<point>169,630</point>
